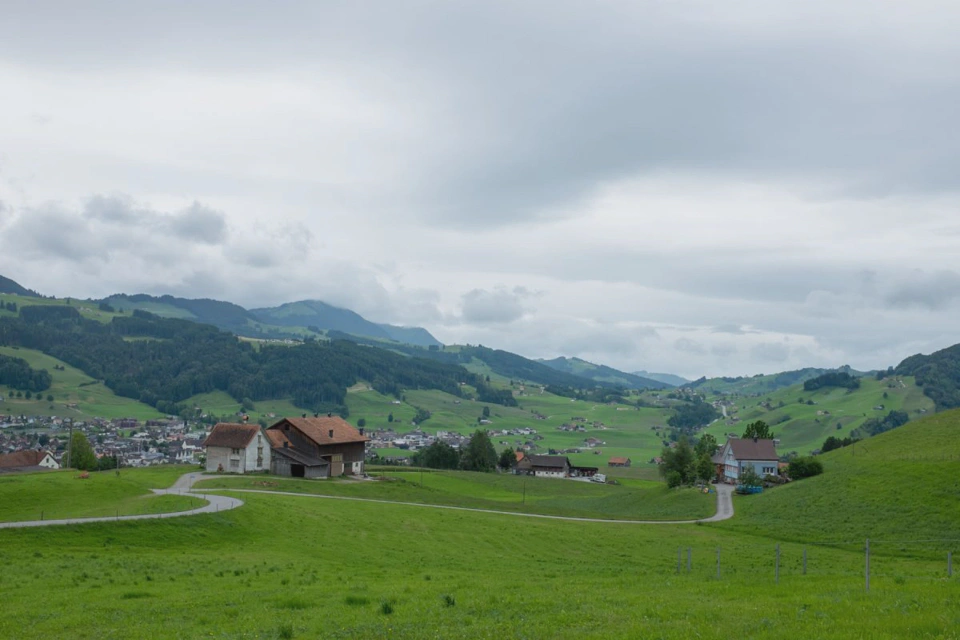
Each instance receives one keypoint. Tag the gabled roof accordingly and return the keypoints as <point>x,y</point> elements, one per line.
<point>752,449</point>
<point>301,458</point>
<point>319,430</point>
<point>231,435</point>
<point>28,458</point>
<point>618,460</point>
<point>549,461</point>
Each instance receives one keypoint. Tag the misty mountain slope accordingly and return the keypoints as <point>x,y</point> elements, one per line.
<point>666,378</point>
<point>603,373</point>
<point>9,286</point>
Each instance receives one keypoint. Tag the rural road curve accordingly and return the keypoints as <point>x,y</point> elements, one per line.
<point>724,507</point>
<point>215,504</point>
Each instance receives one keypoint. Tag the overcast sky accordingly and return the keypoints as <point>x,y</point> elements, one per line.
<point>700,188</point>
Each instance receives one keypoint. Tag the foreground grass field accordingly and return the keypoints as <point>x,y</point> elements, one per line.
<point>284,567</point>
<point>295,567</point>
<point>60,494</point>
<point>901,488</point>
<point>634,500</point>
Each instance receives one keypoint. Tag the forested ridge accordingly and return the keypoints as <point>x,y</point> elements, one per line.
<point>938,374</point>
<point>184,358</point>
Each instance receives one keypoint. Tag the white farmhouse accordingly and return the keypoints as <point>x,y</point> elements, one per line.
<point>237,448</point>
<point>740,453</point>
<point>28,460</point>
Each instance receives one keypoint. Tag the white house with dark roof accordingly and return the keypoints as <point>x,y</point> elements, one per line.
<point>739,454</point>
<point>237,448</point>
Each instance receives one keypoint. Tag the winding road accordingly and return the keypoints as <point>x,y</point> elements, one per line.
<point>217,503</point>
<point>183,486</point>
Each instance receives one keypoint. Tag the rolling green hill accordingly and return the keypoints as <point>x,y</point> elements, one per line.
<point>667,378</point>
<point>938,374</point>
<point>75,394</point>
<point>900,488</point>
<point>603,373</point>
<point>802,420</point>
<point>761,383</point>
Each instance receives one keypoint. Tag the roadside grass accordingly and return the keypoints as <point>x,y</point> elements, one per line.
<point>61,494</point>
<point>900,488</point>
<point>501,492</point>
<point>70,386</point>
<point>288,567</point>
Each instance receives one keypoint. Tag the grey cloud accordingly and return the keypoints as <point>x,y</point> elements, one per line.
<point>733,329</point>
<point>934,291</point>
<point>200,224</point>
<point>770,352</point>
<point>499,306</point>
<point>689,346</point>
<point>115,210</point>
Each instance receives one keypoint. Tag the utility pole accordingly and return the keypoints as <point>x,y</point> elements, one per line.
<point>69,444</point>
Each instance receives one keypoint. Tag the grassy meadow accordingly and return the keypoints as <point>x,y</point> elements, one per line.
<point>633,500</point>
<point>901,488</point>
<point>62,494</point>
<point>294,567</point>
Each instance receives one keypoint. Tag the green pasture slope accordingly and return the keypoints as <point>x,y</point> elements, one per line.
<point>629,430</point>
<point>298,567</point>
<point>55,495</point>
<point>635,499</point>
<point>70,386</point>
<point>901,489</point>
<point>805,430</point>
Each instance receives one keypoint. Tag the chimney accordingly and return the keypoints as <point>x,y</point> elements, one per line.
<point>361,430</point>
<point>331,434</point>
<point>329,415</point>
<point>304,415</point>
<point>316,415</point>
<point>754,438</point>
<point>286,444</point>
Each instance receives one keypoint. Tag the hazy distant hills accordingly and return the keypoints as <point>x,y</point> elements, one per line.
<point>765,383</point>
<point>9,286</point>
<point>666,378</point>
<point>293,319</point>
<point>604,374</point>
<point>315,314</point>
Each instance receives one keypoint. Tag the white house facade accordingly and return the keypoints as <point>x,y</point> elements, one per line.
<point>739,454</point>
<point>237,448</point>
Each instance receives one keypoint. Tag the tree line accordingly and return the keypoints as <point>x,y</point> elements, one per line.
<point>163,361</point>
<point>17,374</point>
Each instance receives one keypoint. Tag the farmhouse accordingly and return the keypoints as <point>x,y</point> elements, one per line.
<point>739,453</point>
<point>237,448</point>
<point>544,466</point>
<point>27,460</point>
<point>617,461</point>
<point>318,447</point>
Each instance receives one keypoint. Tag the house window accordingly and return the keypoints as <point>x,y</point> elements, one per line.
<point>235,452</point>
<point>259,456</point>
<point>234,464</point>
<point>768,470</point>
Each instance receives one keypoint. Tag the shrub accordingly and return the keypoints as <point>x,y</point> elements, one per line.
<point>673,479</point>
<point>805,467</point>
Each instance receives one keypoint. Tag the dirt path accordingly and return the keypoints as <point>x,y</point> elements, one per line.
<point>183,486</point>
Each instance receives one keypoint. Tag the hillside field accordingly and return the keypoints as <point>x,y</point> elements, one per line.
<point>70,387</point>
<point>803,430</point>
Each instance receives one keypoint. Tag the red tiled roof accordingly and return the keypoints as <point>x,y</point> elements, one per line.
<point>319,430</point>
<point>751,449</point>
<point>28,458</point>
<point>618,460</point>
<point>231,435</point>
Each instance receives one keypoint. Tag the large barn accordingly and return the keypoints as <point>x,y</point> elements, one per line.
<point>317,447</point>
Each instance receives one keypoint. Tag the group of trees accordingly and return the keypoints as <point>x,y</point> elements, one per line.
<point>684,464</point>
<point>938,374</point>
<point>17,374</point>
<point>875,426</point>
<point>478,455</point>
<point>832,379</point>
<point>693,415</point>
